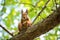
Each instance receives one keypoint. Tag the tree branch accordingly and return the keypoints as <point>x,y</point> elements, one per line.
<point>3,6</point>
<point>55,3</point>
<point>6,30</point>
<point>41,11</point>
<point>41,27</point>
<point>27,4</point>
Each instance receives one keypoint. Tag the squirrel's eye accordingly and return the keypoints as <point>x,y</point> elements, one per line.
<point>24,17</point>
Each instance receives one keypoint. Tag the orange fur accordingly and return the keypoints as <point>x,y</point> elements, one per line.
<point>25,21</point>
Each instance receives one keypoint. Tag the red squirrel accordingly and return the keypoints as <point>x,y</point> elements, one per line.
<point>25,21</point>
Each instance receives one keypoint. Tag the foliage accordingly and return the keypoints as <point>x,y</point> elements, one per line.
<point>10,15</point>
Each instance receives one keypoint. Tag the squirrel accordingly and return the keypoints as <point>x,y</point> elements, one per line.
<point>25,22</point>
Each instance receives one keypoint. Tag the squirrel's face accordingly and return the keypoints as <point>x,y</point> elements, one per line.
<point>24,15</point>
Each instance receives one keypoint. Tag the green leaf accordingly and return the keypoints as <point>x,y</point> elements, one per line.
<point>3,10</point>
<point>10,2</point>
<point>25,1</point>
<point>37,38</point>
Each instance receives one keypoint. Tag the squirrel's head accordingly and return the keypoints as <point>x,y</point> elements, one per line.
<point>24,14</point>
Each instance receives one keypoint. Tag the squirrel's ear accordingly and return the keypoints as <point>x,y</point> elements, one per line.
<point>26,11</point>
<point>21,11</point>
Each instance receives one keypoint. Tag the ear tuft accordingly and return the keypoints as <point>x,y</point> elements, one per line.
<point>21,11</point>
<point>26,11</point>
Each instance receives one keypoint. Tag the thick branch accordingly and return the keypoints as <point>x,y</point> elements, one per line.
<point>41,27</point>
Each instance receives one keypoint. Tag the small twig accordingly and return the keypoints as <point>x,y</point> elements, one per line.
<point>56,4</point>
<point>3,6</point>
<point>41,11</point>
<point>6,30</point>
<point>27,4</point>
<point>37,3</point>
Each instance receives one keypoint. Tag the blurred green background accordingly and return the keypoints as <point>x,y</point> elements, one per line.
<point>10,16</point>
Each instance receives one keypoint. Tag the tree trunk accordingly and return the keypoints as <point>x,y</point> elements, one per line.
<point>41,27</point>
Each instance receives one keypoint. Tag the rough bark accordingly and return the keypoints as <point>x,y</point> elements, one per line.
<point>41,27</point>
